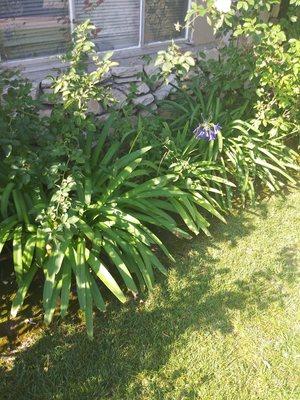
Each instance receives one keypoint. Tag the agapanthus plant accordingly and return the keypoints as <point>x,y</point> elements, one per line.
<point>207,131</point>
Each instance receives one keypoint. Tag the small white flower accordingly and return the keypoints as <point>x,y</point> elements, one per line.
<point>223,5</point>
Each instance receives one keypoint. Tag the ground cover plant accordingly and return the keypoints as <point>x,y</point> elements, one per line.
<point>85,205</point>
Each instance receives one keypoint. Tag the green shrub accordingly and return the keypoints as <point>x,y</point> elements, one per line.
<point>87,210</point>
<point>261,63</point>
<point>244,157</point>
<point>83,202</point>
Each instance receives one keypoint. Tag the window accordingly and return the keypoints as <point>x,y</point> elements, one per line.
<point>118,21</point>
<point>160,18</point>
<point>31,28</point>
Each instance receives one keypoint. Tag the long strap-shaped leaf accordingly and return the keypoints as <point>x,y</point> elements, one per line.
<point>104,275</point>
<point>49,310</point>
<point>28,251</point>
<point>52,268</point>
<point>22,291</point>
<point>117,260</point>
<point>129,158</point>
<point>102,137</point>
<point>97,297</point>
<point>72,256</point>
<point>20,206</point>
<point>17,254</point>
<point>81,272</point>
<point>5,198</point>
<point>5,230</point>
<point>66,287</point>
<point>119,179</point>
<point>89,307</point>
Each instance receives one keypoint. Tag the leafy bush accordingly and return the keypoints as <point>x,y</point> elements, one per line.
<point>80,207</point>
<point>260,64</point>
<point>247,156</point>
<point>87,226</point>
<point>83,202</point>
<point>252,92</point>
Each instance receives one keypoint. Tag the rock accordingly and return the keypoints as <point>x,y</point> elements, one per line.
<point>127,79</point>
<point>120,98</point>
<point>106,77</point>
<point>125,72</point>
<point>192,74</point>
<point>212,54</point>
<point>46,83</point>
<point>124,88</point>
<point>144,100</point>
<point>94,107</point>
<point>103,117</point>
<point>47,91</point>
<point>141,88</point>
<point>163,91</point>
<point>34,92</point>
<point>153,71</point>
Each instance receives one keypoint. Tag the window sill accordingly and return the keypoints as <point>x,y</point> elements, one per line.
<point>38,68</point>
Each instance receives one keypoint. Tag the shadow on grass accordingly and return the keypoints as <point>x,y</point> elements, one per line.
<point>138,338</point>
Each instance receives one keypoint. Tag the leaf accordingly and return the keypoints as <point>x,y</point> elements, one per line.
<point>101,141</point>
<point>89,307</point>
<point>51,269</point>
<point>20,206</point>
<point>103,274</point>
<point>185,216</point>
<point>28,251</point>
<point>17,254</point>
<point>97,297</point>
<point>113,254</point>
<point>129,158</point>
<point>5,198</point>
<point>22,291</point>
<point>51,305</point>
<point>81,278</point>
<point>119,179</point>
<point>88,191</point>
<point>145,266</point>
<point>5,230</point>
<point>66,287</point>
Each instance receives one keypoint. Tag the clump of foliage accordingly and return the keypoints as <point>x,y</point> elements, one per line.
<point>251,92</point>
<point>86,212</point>
<point>173,60</point>
<point>261,63</point>
<point>83,202</point>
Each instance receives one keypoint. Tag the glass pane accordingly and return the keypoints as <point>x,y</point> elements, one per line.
<point>31,28</point>
<point>160,17</point>
<point>117,20</point>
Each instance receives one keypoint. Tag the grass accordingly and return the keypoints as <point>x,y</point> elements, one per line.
<point>222,326</point>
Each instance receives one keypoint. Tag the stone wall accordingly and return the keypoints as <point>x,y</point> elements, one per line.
<point>128,82</point>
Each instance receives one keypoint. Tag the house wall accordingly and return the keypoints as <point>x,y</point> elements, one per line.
<point>131,65</point>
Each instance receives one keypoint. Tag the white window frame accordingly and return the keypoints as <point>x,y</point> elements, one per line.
<point>140,49</point>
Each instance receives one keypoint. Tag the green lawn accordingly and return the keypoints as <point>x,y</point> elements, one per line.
<point>222,326</point>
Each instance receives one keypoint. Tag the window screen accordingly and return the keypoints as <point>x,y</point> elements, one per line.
<point>31,28</point>
<point>118,21</point>
<point>160,17</point>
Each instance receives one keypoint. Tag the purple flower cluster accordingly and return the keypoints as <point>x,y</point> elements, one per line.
<point>207,131</point>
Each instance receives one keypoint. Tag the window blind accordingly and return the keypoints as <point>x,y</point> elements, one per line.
<point>160,18</point>
<point>31,28</point>
<point>118,21</point>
